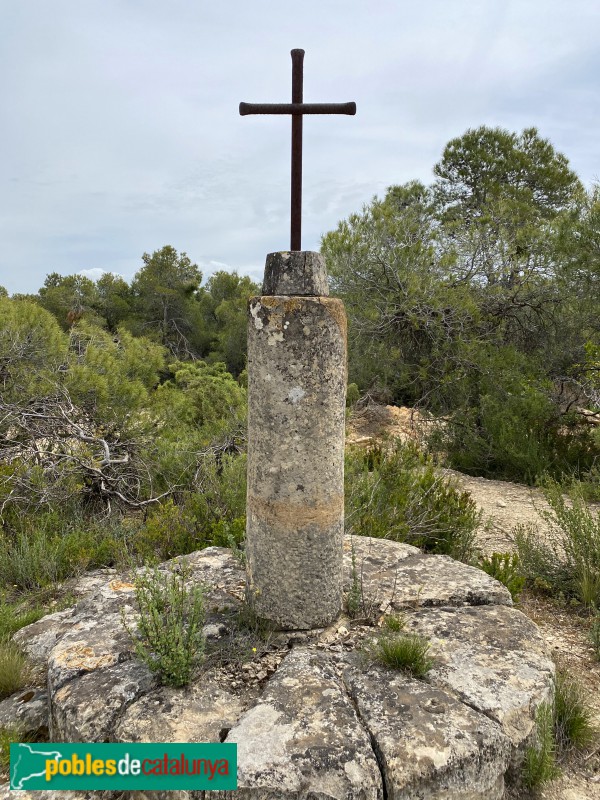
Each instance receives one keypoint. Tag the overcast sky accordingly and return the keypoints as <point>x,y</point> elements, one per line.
<point>120,130</point>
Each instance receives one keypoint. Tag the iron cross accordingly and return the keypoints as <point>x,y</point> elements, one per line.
<point>297,108</point>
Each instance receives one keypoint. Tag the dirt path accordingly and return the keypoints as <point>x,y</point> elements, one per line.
<point>503,505</point>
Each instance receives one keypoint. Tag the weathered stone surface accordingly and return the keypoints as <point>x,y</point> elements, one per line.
<point>89,582</point>
<point>303,739</point>
<point>218,571</point>
<point>296,419</point>
<point>27,709</point>
<point>398,576</point>
<point>87,710</point>
<point>296,272</point>
<point>38,639</point>
<point>491,657</point>
<point>203,713</point>
<point>429,744</point>
<point>92,643</point>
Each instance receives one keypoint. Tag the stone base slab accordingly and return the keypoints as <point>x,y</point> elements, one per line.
<point>311,714</point>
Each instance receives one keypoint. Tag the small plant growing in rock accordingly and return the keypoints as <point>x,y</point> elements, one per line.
<point>394,623</point>
<point>170,639</point>
<point>406,652</point>
<point>573,726</point>
<point>506,568</point>
<point>354,597</point>
<point>539,765</point>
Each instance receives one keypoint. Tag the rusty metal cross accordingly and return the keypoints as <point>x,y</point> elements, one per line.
<point>297,108</point>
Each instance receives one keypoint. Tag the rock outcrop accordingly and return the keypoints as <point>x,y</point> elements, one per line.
<point>311,714</point>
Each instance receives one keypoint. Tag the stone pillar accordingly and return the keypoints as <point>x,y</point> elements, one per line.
<point>296,416</point>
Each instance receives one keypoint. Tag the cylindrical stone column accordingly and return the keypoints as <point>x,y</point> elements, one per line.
<point>296,415</point>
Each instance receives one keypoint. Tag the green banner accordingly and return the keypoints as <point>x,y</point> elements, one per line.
<point>73,766</point>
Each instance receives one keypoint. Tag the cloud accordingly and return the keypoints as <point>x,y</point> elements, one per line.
<point>121,130</point>
<point>93,274</point>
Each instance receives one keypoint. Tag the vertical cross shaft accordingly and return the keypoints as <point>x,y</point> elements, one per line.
<point>296,193</point>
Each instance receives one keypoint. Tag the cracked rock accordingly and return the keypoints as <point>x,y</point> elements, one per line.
<point>429,744</point>
<point>302,739</point>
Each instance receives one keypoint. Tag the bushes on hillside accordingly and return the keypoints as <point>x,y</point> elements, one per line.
<point>394,492</point>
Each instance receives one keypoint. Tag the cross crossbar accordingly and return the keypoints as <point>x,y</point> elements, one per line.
<point>297,109</point>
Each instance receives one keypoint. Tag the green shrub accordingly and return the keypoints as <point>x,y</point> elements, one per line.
<point>43,549</point>
<point>170,639</point>
<point>396,493</point>
<point>394,623</point>
<point>213,514</point>
<point>406,652</point>
<point>354,598</point>
<point>539,765</point>
<point>568,559</point>
<point>14,669</point>
<point>585,485</point>
<point>505,567</point>
<point>573,726</point>
<point>510,427</point>
<point>13,618</point>
<point>352,395</point>
<point>560,726</point>
<point>595,636</point>
<point>169,530</point>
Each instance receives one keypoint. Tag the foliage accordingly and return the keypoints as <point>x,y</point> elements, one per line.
<point>474,297</point>
<point>406,652</point>
<point>32,350</point>
<point>352,395</point>
<point>224,301</point>
<point>48,548</point>
<point>568,561</point>
<point>573,727</point>
<point>509,427</point>
<point>13,617</point>
<point>505,567</point>
<point>487,163</point>
<point>77,429</point>
<point>14,669</point>
<point>595,636</point>
<point>69,298</point>
<point>354,598</point>
<point>165,293</point>
<point>170,639</point>
<point>405,318</point>
<point>12,734</point>
<point>563,725</point>
<point>201,395</point>
<point>539,765</point>
<point>396,493</point>
<point>394,623</point>
<point>88,427</point>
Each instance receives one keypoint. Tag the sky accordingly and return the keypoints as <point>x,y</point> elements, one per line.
<point>120,131</point>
